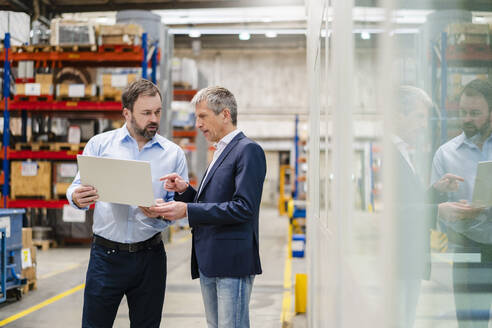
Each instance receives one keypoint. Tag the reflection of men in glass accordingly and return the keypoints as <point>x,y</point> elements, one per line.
<point>469,228</point>
<point>413,207</point>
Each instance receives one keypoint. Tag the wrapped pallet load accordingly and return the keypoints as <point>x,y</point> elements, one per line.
<point>119,34</point>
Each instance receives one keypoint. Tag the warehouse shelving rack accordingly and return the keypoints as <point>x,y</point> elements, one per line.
<point>177,134</point>
<point>139,57</point>
<point>445,56</point>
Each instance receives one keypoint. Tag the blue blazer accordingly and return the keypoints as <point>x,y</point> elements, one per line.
<point>224,216</point>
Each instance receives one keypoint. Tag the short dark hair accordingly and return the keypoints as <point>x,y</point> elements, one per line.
<point>139,87</point>
<point>479,87</point>
<point>217,98</point>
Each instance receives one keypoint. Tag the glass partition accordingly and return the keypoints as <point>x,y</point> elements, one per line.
<point>399,179</point>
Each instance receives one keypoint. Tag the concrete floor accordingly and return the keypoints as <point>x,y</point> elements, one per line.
<point>62,269</point>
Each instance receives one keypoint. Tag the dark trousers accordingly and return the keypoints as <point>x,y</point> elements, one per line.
<point>472,284</point>
<point>141,276</point>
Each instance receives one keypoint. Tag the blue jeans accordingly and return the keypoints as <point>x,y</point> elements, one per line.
<point>226,300</point>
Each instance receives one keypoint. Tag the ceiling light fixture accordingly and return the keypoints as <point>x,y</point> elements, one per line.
<point>365,36</point>
<point>271,34</point>
<point>195,34</point>
<point>244,36</point>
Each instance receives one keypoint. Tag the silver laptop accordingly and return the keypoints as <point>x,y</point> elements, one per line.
<point>118,181</point>
<point>482,191</point>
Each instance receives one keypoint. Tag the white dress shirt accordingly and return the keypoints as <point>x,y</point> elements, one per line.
<point>219,148</point>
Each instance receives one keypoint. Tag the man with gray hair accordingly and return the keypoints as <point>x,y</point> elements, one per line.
<point>223,212</point>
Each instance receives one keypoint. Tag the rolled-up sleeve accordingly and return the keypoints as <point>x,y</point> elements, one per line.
<point>90,151</point>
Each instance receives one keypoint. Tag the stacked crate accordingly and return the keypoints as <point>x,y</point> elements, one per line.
<point>468,34</point>
<point>31,179</point>
<point>119,34</point>
<point>41,89</point>
<point>63,175</point>
<point>466,39</point>
<point>29,261</point>
<point>71,91</point>
<point>113,85</point>
<point>72,35</point>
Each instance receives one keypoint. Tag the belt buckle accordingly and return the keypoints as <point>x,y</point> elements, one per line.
<point>132,248</point>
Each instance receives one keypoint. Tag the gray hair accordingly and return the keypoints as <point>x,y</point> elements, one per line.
<point>217,98</point>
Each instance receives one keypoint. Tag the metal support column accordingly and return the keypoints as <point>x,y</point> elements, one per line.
<point>3,264</point>
<point>154,63</point>
<point>6,120</point>
<point>145,53</point>
<point>296,158</point>
<point>444,87</point>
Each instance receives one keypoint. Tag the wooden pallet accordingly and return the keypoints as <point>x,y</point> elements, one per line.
<point>65,146</point>
<point>118,48</point>
<point>32,48</point>
<point>75,47</point>
<point>29,286</point>
<point>33,146</point>
<point>33,98</point>
<point>182,85</point>
<point>113,97</point>
<point>45,244</point>
<point>88,98</point>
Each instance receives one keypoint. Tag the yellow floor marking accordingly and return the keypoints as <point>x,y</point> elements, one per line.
<point>41,305</point>
<point>182,239</point>
<point>54,273</point>
<point>286,315</point>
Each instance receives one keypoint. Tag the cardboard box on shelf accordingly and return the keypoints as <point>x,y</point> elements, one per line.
<point>44,78</point>
<point>117,80</point>
<point>119,34</point>
<point>468,33</point>
<point>34,89</point>
<point>30,179</point>
<point>119,29</point>
<point>66,90</point>
<point>63,175</point>
<point>113,85</point>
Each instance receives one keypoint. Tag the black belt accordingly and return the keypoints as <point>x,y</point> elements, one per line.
<point>470,246</point>
<point>132,247</point>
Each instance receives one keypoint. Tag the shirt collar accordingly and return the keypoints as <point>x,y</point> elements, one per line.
<point>227,139</point>
<point>463,140</point>
<point>125,134</point>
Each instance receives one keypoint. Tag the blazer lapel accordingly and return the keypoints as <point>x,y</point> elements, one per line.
<point>219,161</point>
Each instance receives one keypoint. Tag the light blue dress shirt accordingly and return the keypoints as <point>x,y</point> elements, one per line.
<point>124,223</point>
<point>460,156</point>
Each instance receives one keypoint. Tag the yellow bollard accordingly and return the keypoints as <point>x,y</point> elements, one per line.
<point>301,292</point>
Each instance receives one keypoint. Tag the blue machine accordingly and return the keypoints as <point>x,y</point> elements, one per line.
<point>10,251</point>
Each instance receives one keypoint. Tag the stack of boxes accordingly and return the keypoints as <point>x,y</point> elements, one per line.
<point>119,34</point>
<point>67,91</point>
<point>30,179</point>
<point>72,33</point>
<point>41,88</point>
<point>28,256</point>
<point>467,38</point>
<point>113,85</point>
<point>468,34</point>
<point>63,175</point>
